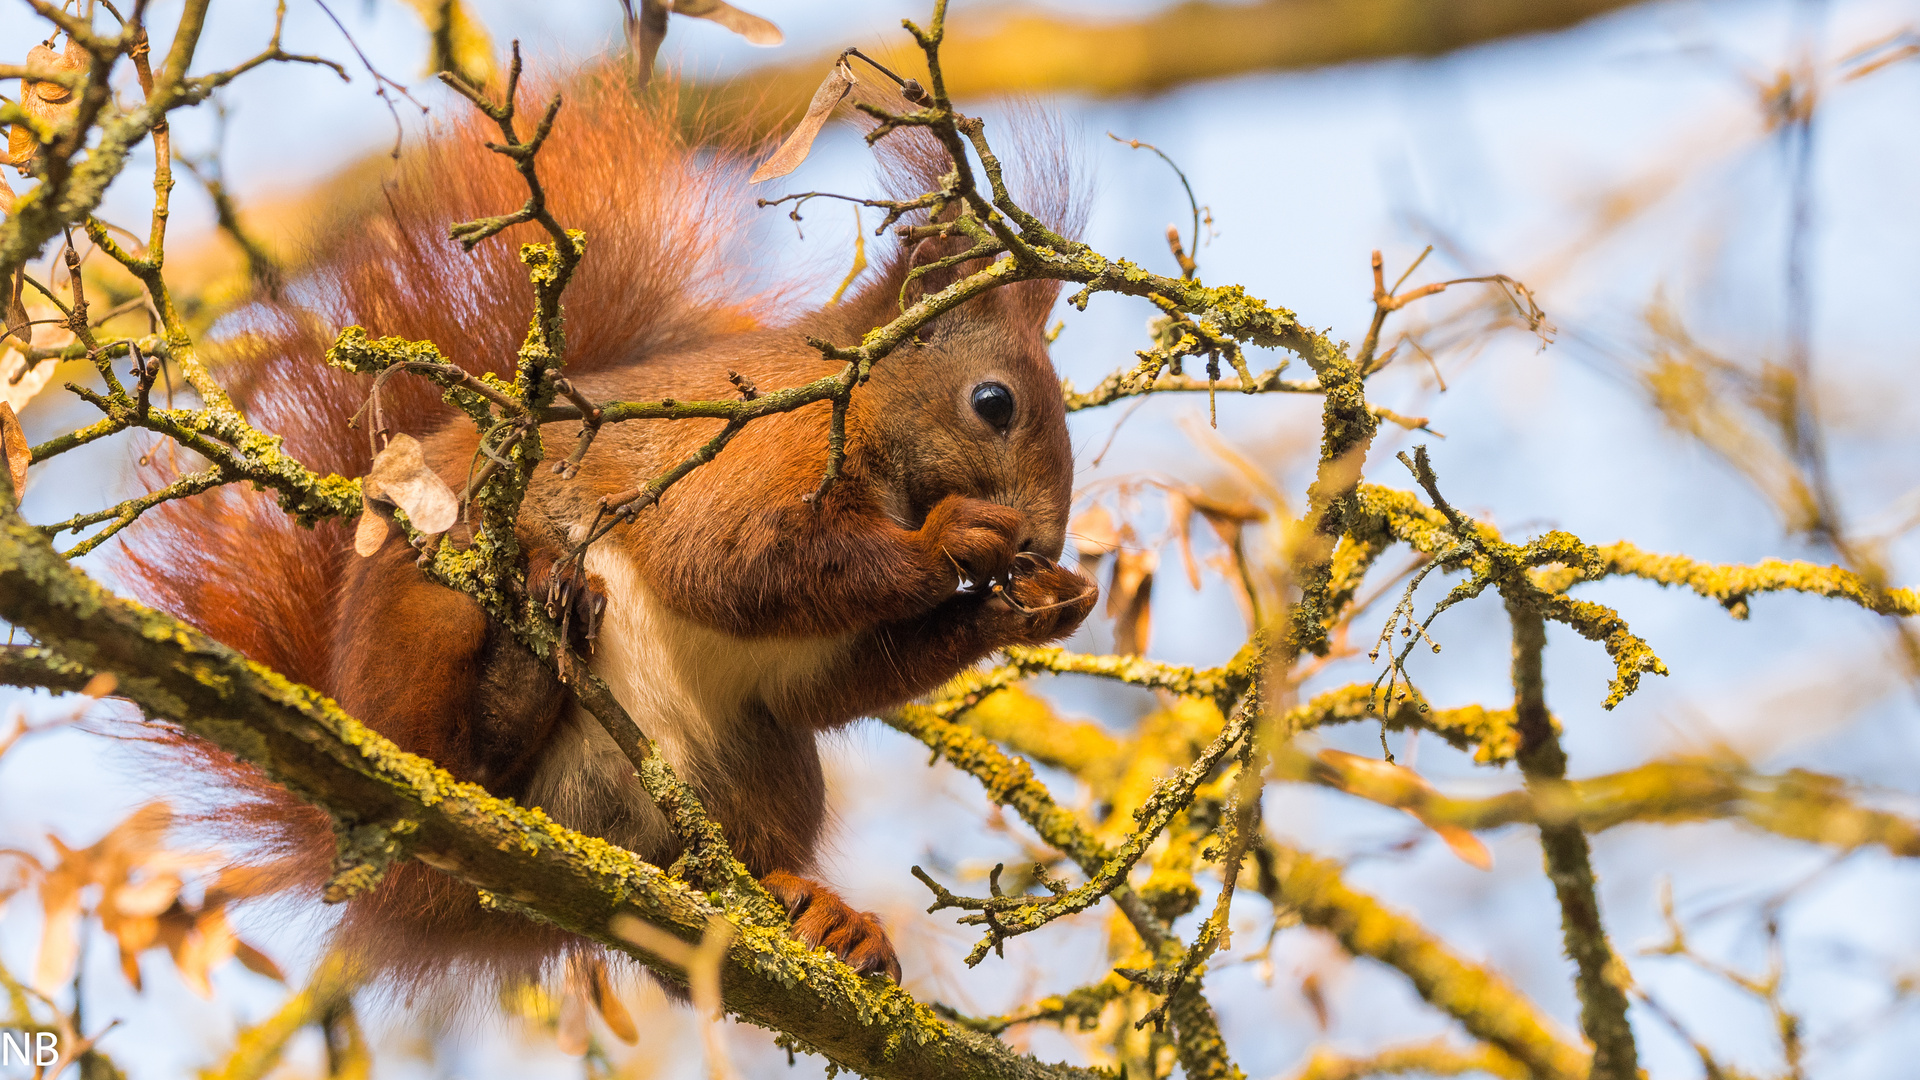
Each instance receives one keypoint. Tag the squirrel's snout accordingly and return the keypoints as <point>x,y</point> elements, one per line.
<point>1041,538</point>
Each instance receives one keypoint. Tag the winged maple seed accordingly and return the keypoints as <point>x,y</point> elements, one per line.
<point>755,29</point>
<point>19,322</point>
<point>13,440</point>
<point>141,906</point>
<point>20,383</point>
<point>47,102</point>
<point>1095,536</point>
<point>833,90</point>
<point>401,477</point>
<point>646,28</point>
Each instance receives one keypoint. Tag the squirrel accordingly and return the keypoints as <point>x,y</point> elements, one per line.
<point>735,620</point>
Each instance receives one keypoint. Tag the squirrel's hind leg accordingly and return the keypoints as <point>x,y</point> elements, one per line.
<point>425,666</point>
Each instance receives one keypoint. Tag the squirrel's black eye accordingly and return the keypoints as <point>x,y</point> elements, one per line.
<point>994,404</point>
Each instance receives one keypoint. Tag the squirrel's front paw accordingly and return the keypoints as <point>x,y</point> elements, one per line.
<point>1044,600</point>
<point>823,920</point>
<point>973,538</point>
<point>573,598</point>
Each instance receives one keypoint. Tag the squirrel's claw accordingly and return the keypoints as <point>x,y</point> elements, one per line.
<point>1048,600</point>
<point>577,599</point>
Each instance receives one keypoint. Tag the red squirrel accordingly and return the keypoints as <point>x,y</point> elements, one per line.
<point>735,620</point>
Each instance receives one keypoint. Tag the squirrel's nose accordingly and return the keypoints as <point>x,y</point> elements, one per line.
<point>1041,539</point>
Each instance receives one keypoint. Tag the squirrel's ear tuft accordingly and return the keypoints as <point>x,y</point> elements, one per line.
<point>1037,159</point>
<point>923,274</point>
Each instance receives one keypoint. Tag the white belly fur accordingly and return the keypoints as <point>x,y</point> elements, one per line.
<point>685,684</point>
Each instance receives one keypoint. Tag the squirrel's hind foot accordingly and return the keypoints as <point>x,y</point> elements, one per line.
<point>822,919</point>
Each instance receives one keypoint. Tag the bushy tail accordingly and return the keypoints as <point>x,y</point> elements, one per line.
<point>667,256</point>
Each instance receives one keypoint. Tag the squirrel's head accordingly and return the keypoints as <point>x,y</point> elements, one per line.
<point>973,409</point>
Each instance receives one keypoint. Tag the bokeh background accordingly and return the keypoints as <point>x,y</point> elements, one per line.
<point>1630,168</point>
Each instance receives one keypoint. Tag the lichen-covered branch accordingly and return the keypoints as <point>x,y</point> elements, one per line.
<point>1008,916</point>
<point>1484,1004</point>
<point>1797,804</point>
<point>257,1049</point>
<point>31,665</point>
<point>121,515</point>
<point>236,449</point>
<point>1733,585</point>
<point>1602,979</point>
<point>1028,725</point>
<point>1488,734</point>
<point>1161,794</point>
<point>519,858</point>
<point>1212,683</point>
<point>1436,1058</point>
<point>1010,782</point>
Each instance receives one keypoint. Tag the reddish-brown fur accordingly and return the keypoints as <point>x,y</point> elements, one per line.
<point>763,618</point>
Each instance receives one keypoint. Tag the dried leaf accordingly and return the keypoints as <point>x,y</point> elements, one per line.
<point>1470,848</point>
<point>1094,533</point>
<point>133,912</point>
<point>400,476</point>
<point>795,149</point>
<point>244,882</point>
<point>100,685</point>
<point>147,898</point>
<point>20,869</point>
<point>176,862</point>
<point>1130,599</point>
<point>134,934</point>
<point>1371,778</point>
<point>172,928</point>
<point>130,967</point>
<point>210,943</point>
<point>13,441</point>
<point>137,933</point>
<point>21,145</point>
<point>1228,519</point>
<point>755,29</point>
<point>139,834</point>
